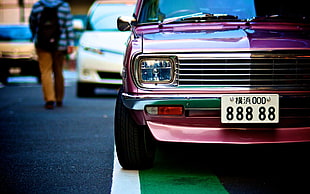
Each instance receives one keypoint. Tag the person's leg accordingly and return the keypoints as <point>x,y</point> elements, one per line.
<point>45,63</point>
<point>58,59</point>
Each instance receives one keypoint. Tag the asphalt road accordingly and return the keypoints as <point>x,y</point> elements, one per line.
<point>71,150</point>
<point>65,150</point>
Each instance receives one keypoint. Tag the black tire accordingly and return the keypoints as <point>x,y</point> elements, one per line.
<point>135,145</point>
<point>4,79</point>
<point>85,90</point>
<point>4,75</point>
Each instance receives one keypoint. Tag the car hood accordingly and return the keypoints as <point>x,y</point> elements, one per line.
<point>17,50</point>
<point>205,40</point>
<point>114,42</point>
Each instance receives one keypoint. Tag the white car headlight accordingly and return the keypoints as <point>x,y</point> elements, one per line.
<point>156,71</point>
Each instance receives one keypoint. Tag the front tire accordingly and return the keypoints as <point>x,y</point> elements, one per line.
<point>135,145</point>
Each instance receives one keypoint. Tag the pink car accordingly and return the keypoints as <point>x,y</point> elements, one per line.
<point>213,71</point>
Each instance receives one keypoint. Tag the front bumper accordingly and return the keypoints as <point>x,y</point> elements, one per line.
<point>22,66</point>
<point>102,69</point>
<point>201,122</point>
<point>138,102</point>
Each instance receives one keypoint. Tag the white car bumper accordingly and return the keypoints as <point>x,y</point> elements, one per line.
<point>102,67</point>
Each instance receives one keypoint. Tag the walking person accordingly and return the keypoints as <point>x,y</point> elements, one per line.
<point>52,32</point>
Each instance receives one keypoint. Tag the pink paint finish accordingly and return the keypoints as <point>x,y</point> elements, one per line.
<point>192,134</point>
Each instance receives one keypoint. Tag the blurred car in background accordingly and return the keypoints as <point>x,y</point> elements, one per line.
<point>79,23</point>
<point>17,52</point>
<point>102,47</point>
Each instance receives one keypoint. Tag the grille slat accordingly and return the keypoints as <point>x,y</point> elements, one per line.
<point>254,72</point>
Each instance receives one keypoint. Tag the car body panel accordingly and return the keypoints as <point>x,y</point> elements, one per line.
<point>17,52</point>
<point>101,52</point>
<point>180,133</point>
<point>101,48</point>
<point>202,119</point>
<point>219,37</point>
<point>281,48</point>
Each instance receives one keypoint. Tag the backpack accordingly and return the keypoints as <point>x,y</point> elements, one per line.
<point>48,29</point>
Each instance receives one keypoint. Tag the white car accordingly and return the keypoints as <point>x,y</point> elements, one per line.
<point>102,47</point>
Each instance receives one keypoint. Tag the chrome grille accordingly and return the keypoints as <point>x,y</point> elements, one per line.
<point>253,72</point>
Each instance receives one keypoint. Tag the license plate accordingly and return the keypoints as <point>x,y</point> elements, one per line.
<point>15,70</point>
<point>250,108</point>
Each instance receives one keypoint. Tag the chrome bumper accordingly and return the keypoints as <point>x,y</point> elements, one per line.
<point>188,101</point>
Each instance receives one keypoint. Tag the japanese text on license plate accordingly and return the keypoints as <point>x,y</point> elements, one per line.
<point>249,108</point>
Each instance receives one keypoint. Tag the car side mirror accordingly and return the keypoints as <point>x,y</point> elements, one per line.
<point>124,23</point>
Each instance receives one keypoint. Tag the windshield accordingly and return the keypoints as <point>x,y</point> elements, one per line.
<point>104,17</point>
<point>160,10</point>
<point>15,33</point>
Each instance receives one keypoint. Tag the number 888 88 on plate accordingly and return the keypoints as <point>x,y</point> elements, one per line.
<point>250,108</point>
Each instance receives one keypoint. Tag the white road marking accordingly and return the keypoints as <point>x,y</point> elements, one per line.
<point>124,181</point>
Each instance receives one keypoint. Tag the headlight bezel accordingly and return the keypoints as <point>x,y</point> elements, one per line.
<point>142,83</point>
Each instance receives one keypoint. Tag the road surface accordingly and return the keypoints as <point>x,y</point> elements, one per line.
<point>71,150</point>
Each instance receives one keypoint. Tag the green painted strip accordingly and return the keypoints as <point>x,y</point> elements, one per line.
<point>192,103</point>
<point>172,177</point>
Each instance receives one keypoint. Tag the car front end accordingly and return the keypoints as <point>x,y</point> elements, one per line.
<point>99,60</point>
<point>17,53</point>
<point>101,48</point>
<point>212,78</point>
<point>205,104</point>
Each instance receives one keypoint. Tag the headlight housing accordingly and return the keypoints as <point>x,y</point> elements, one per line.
<point>156,71</point>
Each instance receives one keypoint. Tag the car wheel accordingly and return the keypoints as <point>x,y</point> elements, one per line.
<point>85,90</point>
<point>135,145</point>
<point>4,79</point>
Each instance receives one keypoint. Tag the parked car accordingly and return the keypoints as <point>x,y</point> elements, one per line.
<point>206,71</point>
<point>17,52</point>
<point>102,46</point>
<point>79,23</point>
